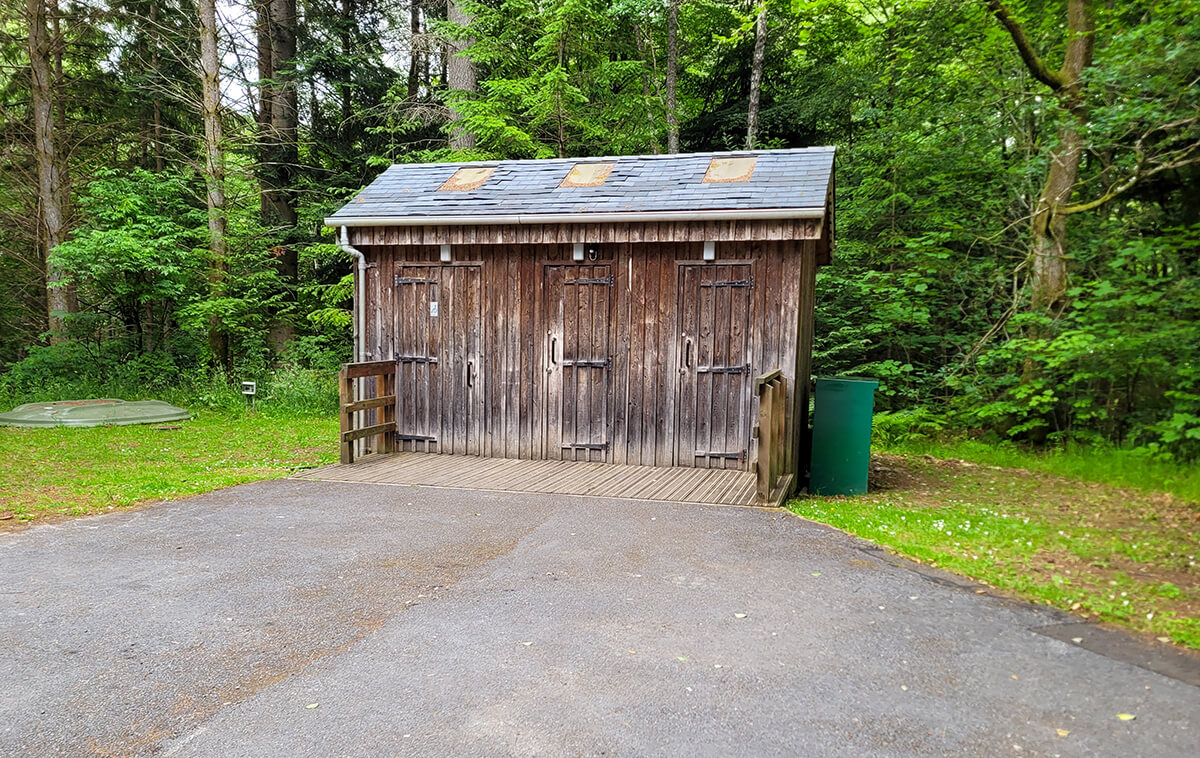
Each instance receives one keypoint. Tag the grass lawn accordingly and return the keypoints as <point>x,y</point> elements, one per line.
<point>1109,553</point>
<point>47,474</point>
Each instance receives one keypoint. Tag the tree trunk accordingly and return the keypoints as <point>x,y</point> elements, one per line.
<point>349,12</point>
<point>266,72</point>
<point>278,136</point>
<point>672,70</point>
<point>1048,275</point>
<point>51,221</point>
<point>651,91</point>
<point>1048,251</point>
<point>460,74</point>
<point>214,172</point>
<point>157,140</point>
<point>282,129</point>
<point>60,120</point>
<point>558,102</point>
<point>756,72</point>
<point>414,57</point>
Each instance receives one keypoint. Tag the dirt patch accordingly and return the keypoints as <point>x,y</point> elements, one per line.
<point>891,472</point>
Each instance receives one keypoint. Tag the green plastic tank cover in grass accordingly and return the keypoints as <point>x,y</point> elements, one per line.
<point>841,444</point>
<point>99,412</point>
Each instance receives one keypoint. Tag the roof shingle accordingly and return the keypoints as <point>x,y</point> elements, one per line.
<point>782,179</point>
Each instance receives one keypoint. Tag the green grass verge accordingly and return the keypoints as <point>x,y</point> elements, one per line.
<point>45,472</point>
<point>1108,554</point>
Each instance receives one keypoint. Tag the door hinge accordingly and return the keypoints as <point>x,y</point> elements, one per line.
<point>741,456</point>
<point>413,280</point>
<point>744,369</point>
<point>730,283</point>
<point>414,438</point>
<point>606,363</point>
<point>601,280</point>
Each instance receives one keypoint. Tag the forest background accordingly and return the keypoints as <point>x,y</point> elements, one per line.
<point>1018,184</point>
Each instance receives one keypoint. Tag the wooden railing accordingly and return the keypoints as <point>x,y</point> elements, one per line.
<point>769,464</point>
<point>355,412</point>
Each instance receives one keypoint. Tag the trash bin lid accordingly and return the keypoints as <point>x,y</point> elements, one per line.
<point>838,382</point>
<point>97,412</point>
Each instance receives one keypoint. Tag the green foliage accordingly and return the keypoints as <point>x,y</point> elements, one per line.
<point>138,254</point>
<point>892,428</point>
<point>304,385</point>
<point>1122,365</point>
<point>563,78</point>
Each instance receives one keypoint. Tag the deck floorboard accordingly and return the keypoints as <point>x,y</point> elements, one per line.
<point>692,485</point>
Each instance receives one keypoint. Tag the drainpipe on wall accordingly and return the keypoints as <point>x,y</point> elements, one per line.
<point>359,316</point>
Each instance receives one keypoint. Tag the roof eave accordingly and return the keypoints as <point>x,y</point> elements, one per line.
<point>730,214</point>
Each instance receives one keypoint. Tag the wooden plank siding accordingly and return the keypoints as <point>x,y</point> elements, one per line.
<point>549,234</point>
<point>504,304</point>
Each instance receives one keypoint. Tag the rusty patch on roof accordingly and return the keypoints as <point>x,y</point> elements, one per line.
<point>467,179</point>
<point>587,175</point>
<point>729,170</point>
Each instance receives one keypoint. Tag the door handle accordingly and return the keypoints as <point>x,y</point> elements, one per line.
<point>687,353</point>
<point>553,350</point>
<point>470,373</point>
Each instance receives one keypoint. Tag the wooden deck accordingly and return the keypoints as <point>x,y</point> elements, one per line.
<point>678,485</point>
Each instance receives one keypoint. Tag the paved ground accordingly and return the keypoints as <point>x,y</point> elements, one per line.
<point>296,618</point>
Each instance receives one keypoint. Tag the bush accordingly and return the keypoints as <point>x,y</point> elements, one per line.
<point>72,372</point>
<point>297,391</point>
<point>889,428</point>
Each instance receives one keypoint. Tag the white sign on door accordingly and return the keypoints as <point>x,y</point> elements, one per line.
<point>433,308</point>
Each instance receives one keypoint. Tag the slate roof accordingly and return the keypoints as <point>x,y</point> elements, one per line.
<point>409,193</point>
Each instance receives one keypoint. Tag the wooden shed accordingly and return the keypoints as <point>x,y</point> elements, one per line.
<point>642,310</point>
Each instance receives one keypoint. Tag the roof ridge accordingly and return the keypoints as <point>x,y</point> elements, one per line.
<point>815,149</point>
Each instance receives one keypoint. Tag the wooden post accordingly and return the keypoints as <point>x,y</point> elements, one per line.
<point>345,398</point>
<point>376,416</point>
<point>389,412</point>
<point>766,451</point>
<point>779,405</point>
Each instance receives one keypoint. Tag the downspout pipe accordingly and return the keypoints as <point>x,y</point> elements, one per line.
<point>360,298</point>
<point>360,318</point>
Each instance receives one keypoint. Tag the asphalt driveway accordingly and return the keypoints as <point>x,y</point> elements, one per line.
<point>297,618</point>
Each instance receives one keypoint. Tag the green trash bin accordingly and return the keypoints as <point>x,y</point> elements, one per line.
<point>841,440</point>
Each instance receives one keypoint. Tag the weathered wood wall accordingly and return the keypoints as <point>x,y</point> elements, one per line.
<point>497,387</point>
<point>663,231</point>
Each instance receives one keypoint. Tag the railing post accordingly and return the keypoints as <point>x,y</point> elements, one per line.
<point>770,459</point>
<point>389,411</point>
<point>766,451</point>
<point>778,446</point>
<point>345,397</point>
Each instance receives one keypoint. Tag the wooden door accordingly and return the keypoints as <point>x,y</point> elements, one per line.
<point>438,327</point>
<point>713,395</point>
<point>577,307</point>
